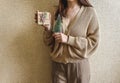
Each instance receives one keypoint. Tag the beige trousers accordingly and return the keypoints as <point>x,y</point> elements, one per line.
<point>78,72</point>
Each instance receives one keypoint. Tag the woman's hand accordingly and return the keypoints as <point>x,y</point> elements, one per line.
<point>60,37</point>
<point>45,26</point>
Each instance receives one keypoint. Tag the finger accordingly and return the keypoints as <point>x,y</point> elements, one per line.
<point>36,21</point>
<point>43,26</point>
<point>58,39</point>
<point>46,25</point>
<point>36,15</point>
<point>56,35</point>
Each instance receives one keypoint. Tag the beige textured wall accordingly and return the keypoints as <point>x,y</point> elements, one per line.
<point>23,56</point>
<point>105,65</point>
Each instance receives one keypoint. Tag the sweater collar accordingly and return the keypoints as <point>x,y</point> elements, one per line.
<point>74,21</point>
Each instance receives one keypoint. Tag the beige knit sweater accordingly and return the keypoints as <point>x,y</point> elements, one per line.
<point>83,38</point>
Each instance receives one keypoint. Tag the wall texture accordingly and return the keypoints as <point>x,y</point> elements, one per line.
<point>105,65</point>
<point>24,57</point>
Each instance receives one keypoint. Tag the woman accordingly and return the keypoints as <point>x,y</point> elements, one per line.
<point>71,48</point>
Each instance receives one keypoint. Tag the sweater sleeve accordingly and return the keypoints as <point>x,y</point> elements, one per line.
<point>48,39</point>
<point>86,45</point>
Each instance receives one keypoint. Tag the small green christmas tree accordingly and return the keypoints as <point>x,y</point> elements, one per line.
<point>58,25</point>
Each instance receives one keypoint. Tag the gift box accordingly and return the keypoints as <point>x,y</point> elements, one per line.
<point>43,18</point>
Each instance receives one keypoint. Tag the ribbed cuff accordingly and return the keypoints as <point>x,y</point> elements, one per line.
<point>71,40</point>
